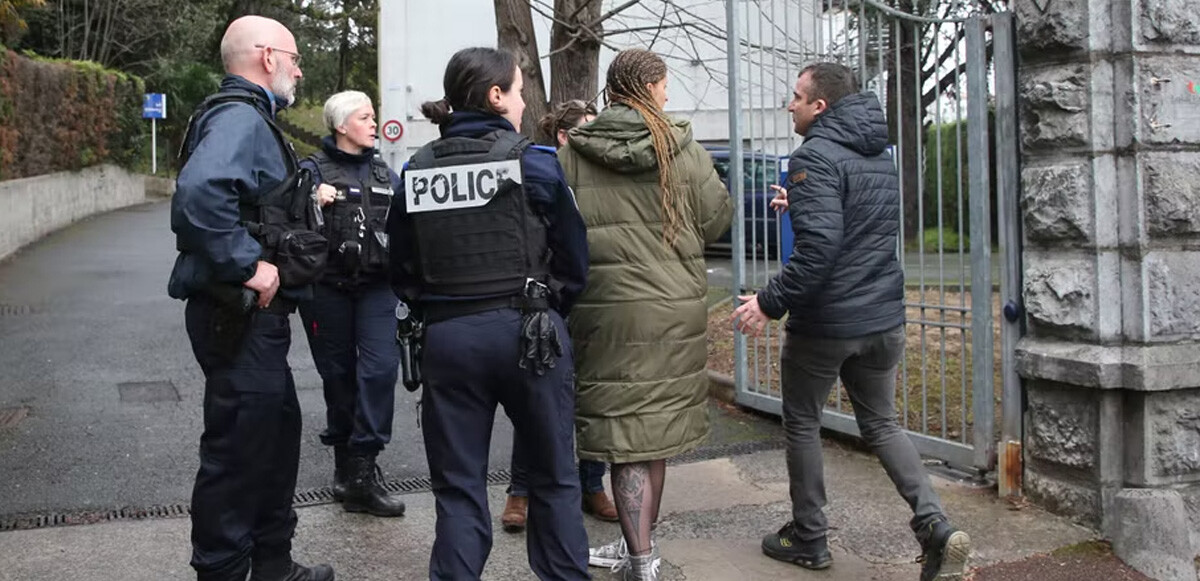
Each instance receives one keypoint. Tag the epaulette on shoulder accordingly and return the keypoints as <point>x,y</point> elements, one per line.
<point>544,148</point>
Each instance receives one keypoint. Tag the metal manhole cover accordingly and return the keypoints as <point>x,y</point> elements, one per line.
<point>10,417</point>
<point>148,392</point>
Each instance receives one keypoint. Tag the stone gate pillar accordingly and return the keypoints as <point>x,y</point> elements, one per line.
<point>1110,136</point>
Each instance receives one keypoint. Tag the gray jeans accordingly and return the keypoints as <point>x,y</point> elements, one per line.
<point>867,366</point>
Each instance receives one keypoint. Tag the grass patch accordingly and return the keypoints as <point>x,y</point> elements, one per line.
<point>934,392</point>
<point>302,148</point>
<point>309,116</point>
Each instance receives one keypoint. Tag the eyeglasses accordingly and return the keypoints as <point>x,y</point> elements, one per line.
<point>296,57</point>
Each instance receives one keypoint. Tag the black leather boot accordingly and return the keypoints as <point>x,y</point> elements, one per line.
<point>340,456</point>
<point>289,570</point>
<point>365,491</point>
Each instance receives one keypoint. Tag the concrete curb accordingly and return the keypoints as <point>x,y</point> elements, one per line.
<point>38,205</point>
<point>719,304</point>
<point>721,387</point>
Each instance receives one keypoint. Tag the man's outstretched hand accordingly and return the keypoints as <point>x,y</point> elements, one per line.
<point>749,318</point>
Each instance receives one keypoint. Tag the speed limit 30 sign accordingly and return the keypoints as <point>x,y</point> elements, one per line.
<point>393,130</point>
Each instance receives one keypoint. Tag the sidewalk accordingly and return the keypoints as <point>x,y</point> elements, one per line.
<point>714,514</point>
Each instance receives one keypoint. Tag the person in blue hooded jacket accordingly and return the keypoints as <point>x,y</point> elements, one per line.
<point>843,292</point>
<point>349,321</point>
<point>242,516</point>
<point>489,247</point>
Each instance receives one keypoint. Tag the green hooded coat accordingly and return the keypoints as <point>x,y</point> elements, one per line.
<point>639,327</point>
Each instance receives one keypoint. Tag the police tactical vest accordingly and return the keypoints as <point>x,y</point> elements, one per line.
<point>283,219</point>
<point>475,232</point>
<point>356,222</point>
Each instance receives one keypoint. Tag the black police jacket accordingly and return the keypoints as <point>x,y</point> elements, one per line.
<point>233,157</point>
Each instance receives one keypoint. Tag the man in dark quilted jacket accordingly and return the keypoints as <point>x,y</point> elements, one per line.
<point>843,293</point>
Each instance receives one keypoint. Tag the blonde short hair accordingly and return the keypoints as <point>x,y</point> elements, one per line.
<point>341,105</point>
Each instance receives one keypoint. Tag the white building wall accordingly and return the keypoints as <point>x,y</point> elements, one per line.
<point>418,37</point>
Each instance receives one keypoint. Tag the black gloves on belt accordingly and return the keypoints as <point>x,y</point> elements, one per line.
<point>540,346</point>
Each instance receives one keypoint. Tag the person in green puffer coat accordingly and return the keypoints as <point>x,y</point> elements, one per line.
<point>652,201</point>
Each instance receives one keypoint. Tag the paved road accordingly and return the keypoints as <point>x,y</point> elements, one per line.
<point>84,311</point>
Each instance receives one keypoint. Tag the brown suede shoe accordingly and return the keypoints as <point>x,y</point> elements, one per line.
<point>513,519</point>
<point>599,506</point>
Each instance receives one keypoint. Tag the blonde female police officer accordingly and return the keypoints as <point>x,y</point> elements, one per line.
<point>349,322</point>
<point>490,249</point>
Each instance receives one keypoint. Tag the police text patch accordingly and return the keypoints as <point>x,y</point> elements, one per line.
<point>458,186</point>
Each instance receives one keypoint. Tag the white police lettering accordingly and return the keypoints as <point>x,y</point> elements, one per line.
<point>458,186</point>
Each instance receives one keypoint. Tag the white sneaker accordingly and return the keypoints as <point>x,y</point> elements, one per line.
<point>615,553</point>
<point>644,568</point>
<point>609,555</point>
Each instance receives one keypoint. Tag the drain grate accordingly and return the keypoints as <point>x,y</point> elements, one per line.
<point>324,495</point>
<point>10,417</point>
<point>18,310</point>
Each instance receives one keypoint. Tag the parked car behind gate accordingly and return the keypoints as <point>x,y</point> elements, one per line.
<point>759,172</point>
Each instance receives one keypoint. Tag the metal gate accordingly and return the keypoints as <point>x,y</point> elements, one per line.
<point>947,81</point>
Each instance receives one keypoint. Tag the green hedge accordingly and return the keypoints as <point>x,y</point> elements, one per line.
<point>58,115</point>
<point>955,181</point>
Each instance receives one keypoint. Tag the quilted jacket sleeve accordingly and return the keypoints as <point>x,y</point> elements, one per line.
<point>815,207</point>
<point>715,209</point>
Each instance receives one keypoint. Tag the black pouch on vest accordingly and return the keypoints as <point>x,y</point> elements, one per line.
<point>375,239</point>
<point>301,257</point>
<point>283,223</point>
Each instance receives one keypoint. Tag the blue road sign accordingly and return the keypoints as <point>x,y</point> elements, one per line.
<point>154,106</point>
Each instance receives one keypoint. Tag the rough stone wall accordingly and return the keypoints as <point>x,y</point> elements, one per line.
<point>1110,136</point>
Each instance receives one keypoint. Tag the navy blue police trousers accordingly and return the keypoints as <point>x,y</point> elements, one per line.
<point>352,336</point>
<point>250,449</point>
<point>470,364</point>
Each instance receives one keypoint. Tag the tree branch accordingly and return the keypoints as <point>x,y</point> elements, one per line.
<point>643,29</point>
<point>579,9</point>
<point>613,12</point>
<point>946,53</point>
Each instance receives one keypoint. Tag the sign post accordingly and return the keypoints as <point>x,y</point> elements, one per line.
<point>154,107</point>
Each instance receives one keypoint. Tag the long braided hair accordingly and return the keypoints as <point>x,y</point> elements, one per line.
<point>628,76</point>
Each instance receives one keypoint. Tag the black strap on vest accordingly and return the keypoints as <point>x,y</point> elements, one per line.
<point>216,99</point>
<point>334,173</point>
<point>487,251</point>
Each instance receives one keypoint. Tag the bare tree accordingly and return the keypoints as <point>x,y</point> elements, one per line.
<point>576,36</point>
<point>514,26</point>
<point>928,67</point>
<point>575,55</point>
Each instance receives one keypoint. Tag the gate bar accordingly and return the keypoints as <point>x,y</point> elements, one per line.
<point>982,356</point>
<point>953,453</point>
<point>1008,190</point>
<point>733,50</point>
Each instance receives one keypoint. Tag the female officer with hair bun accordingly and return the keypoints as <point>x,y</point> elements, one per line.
<point>490,250</point>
